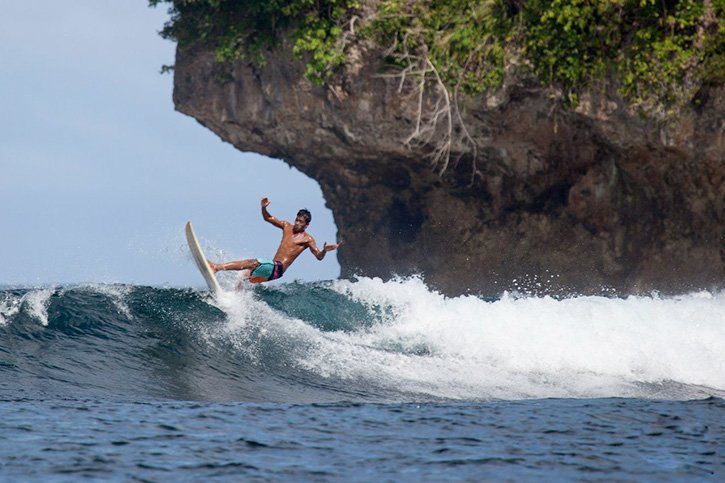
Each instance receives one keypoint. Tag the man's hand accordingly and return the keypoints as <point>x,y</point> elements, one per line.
<point>267,217</point>
<point>329,247</point>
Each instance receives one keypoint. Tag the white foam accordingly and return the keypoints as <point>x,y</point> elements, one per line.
<point>37,302</point>
<point>243,327</point>
<point>464,347</point>
<point>9,306</point>
<point>117,294</point>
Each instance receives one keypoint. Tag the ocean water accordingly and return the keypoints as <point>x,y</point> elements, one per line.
<point>358,380</point>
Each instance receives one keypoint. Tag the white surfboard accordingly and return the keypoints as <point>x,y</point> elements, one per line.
<point>200,260</point>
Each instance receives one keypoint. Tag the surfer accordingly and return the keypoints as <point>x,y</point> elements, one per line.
<point>295,240</point>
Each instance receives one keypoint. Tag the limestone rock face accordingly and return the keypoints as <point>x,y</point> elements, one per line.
<point>551,199</point>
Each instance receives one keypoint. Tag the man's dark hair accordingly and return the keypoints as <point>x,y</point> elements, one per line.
<point>305,213</point>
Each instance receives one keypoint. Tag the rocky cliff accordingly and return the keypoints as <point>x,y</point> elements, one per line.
<point>535,195</point>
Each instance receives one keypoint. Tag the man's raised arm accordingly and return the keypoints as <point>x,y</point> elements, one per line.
<point>269,218</point>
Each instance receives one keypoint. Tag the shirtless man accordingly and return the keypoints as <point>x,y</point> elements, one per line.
<point>294,241</point>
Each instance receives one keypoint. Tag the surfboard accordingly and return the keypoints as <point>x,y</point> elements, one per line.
<point>198,255</point>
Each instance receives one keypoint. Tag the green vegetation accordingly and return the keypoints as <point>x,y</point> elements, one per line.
<point>658,51</point>
<point>465,40</point>
<point>246,28</point>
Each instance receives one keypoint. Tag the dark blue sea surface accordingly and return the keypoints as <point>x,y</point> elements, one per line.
<point>358,380</point>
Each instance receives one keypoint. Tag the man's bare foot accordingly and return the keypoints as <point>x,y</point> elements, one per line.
<point>212,266</point>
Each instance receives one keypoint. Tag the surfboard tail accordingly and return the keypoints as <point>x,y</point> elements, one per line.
<point>200,260</point>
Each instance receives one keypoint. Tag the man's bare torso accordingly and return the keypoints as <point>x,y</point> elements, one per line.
<point>292,245</point>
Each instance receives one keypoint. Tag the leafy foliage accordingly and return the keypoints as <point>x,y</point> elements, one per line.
<point>658,51</point>
<point>246,28</point>
<point>318,37</point>
<point>464,40</point>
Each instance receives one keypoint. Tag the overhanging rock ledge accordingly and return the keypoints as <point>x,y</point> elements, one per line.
<point>555,199</point>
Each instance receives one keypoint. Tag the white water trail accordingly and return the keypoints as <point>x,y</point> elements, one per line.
<point>512,348</point>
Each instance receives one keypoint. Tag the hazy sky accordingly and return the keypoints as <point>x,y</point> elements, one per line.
<point>98,173</point>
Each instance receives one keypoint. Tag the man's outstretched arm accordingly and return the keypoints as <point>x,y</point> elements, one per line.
<point>267,217</point>
<point>320,254</point>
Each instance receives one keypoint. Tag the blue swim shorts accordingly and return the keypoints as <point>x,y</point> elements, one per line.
<point>268,269</point>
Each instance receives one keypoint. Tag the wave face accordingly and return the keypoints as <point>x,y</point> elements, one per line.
<point>363,340</point>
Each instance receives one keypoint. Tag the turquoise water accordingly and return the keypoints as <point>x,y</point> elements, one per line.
<point>358,380</point>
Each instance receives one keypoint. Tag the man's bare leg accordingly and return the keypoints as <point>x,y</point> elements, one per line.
<point>248,264</point>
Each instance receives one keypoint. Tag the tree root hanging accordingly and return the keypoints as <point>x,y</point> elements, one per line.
<point>440,127</point>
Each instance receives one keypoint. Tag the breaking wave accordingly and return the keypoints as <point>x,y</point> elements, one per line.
<point>362,340</point>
